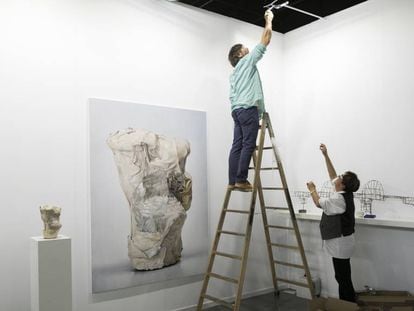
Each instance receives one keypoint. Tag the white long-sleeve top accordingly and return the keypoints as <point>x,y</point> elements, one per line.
<point>342,247</point>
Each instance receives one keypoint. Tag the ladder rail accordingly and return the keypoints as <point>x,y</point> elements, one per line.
<point>249,224</point>
<point>266,229</point>
<point>290,206</point>
<point>213,250</point>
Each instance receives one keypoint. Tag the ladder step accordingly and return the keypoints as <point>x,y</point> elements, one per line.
<point>228,255</point>
<point>284,246</point>
<point>222,277</point>
<point>231,233</point>
<point>236,211</point>
<point>264,148</point>
<point>273,188</point>
<point>288,264</point>
<point>219,301</point>
<point>277,208</point>
<point>264,168</point>
<point>293,282</point>
<point>280,227</point>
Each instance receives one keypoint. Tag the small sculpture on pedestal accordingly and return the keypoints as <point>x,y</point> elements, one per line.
<point>50,216</point>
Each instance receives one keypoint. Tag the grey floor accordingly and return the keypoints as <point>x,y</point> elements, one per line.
<point>267,302</point>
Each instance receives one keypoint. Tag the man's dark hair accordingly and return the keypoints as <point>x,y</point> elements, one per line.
<point>233,54</point>
<point>350,181</point>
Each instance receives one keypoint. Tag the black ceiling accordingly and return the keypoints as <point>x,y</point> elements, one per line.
<point>285,20</point>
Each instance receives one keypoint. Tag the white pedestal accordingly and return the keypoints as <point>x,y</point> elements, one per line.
<point>51,274</point>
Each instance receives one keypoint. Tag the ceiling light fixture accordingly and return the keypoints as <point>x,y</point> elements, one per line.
<point>275,6</point>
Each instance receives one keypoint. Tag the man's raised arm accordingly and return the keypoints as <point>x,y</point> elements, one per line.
<point>267,32</point>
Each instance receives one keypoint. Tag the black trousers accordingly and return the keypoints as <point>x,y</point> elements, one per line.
<point>342,269</point>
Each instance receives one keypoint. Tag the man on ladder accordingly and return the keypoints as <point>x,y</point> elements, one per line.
<point>247,108</point>
<point>247,105</point>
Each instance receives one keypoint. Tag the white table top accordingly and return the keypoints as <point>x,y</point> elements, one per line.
<point>393,223</point>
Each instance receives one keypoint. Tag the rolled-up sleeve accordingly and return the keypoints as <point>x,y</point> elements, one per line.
<point>257,54</point>
<point>334,205</point>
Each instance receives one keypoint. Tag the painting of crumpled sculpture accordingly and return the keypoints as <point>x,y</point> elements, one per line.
<point>148,196</point>
<point>152,175</point>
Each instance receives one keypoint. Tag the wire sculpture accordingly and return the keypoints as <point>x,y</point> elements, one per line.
<point>371,191</point>
<point>408,201</point>
<point>303,198</point>
<point>326,189</point>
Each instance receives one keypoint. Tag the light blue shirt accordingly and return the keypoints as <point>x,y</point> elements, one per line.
<point>245,84</point>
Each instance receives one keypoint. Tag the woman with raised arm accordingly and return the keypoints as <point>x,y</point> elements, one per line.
<point>337,224</point>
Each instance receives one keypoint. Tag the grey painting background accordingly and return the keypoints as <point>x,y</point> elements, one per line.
<point>110,224</point>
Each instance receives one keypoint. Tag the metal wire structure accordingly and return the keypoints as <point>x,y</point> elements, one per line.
<point>371,191</point>
<point>274,5</point>
<point>326,190</point>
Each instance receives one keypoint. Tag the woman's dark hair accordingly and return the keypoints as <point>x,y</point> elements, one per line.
<point>233,54</point>
<point>350,181</point>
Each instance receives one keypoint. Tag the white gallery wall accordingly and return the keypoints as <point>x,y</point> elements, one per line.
<point>345,81</point>
<point>348,82</point>
<point>55,55</point>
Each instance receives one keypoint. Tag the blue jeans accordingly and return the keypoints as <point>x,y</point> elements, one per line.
<point>246,127</point>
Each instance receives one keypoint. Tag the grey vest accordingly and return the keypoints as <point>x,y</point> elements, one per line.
<point>335,226</point>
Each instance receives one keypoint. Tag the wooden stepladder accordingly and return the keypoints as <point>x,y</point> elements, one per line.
<point>266,126</point>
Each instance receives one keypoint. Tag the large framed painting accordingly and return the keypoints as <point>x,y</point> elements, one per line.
<point>148,195</point>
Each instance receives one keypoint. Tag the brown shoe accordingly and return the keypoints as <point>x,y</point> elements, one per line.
<point>243,186</point>
<point>231,187</point>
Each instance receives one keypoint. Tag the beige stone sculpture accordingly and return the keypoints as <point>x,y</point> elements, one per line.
<point>50,216</point>
<point>152,175</point>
